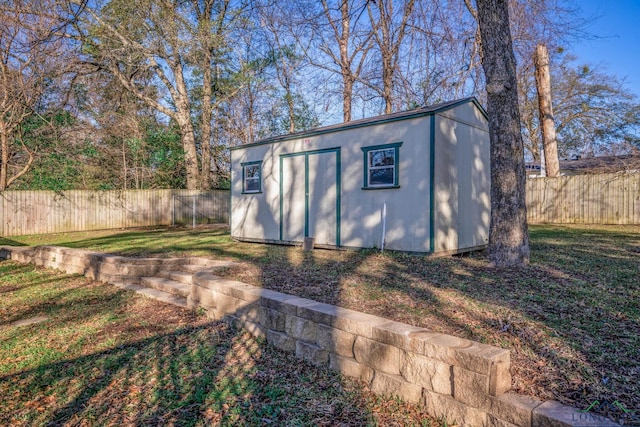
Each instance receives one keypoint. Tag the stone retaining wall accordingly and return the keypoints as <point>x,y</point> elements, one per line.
<point>96,265</point>
<point>460,380</point>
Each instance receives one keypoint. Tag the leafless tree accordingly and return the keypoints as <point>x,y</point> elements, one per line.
<point>545,107</point>
<point>282,52</point>
<point>30,64</point>
<point>389,20</point>
<point>338,41</point>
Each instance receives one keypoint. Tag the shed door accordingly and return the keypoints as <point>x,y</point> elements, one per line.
<point>310,197</point>
<point>292,199</point>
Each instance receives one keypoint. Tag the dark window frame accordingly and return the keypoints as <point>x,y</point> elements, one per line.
<point>370,150</point>
<point>245,178</point>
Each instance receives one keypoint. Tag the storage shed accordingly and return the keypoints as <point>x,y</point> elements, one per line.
<point>416,181</point>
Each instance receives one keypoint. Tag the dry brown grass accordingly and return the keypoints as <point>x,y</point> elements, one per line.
<point>571,319</point>
<point>111,357</point>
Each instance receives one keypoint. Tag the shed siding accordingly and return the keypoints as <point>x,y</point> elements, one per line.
<point>462,180</point>
<point>257,216</point>
<point>309,200</point>
<point>407,226</point>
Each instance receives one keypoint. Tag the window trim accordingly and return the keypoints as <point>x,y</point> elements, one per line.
<point>244,177</point>
<point>396,166</point>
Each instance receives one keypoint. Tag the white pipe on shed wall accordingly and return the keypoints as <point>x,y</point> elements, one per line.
<point>384,225</point>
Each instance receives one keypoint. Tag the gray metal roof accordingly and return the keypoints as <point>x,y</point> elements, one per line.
<point>402,115</point>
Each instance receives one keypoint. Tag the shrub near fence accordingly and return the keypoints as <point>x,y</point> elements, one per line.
<point>36,212</point>
<point>585,199</point>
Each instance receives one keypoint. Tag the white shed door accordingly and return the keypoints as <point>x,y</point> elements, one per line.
<point>292,199</point>
<point>310,197</point>
<point>322,214</point>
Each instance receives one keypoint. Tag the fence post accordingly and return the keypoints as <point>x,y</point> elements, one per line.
<point>194,211</point>
<point>3,232</point>
<point>173,210</point>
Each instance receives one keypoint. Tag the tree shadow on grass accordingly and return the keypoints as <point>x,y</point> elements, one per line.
<point>8,242</point>
<point>158,242</point>
<point>19,285</point>
<point>54,297</point>
<point>208,374</point>
<point>571,318</point>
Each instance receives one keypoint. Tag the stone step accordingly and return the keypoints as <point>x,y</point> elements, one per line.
<point>202,262</point>
<point>177,276</point>
<point>156,294</point>
<point>166,285</point>
<point>198,264</point>
<point>189,268</point>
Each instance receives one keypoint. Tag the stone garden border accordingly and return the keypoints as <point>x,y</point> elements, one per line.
<point>462,381</point>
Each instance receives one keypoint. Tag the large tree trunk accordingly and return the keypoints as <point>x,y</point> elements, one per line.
<point>205,173</point>
<point>187,133</point>
<point>347,79</point>
<point>545,107</point>
<point>387,84</point>
<point>4,158</point>
<point>187,137</point>
<point>508,235</point>
<point>347,95</point>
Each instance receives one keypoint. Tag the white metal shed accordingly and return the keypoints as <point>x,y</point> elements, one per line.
<point>415,181</point>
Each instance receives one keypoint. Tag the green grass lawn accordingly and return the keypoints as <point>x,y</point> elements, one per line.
<point>104,356</point>
<point>571,319</point>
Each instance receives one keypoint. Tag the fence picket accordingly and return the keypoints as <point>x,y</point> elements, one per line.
<point>584,199</point>
<point>36,212</point>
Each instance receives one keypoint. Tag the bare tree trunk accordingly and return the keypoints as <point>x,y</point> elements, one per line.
<point>291,110</point>
<point>545,107</point>
<point>205,158</point>
<point>352,52</point>
<point>508,235</point>
<point>251,122</point>
<point>187,137</point>
<point>347,97</point>
<point>5,178</point>
<point>285,73</point>
<point>187,133</point>
<point>215,158</point>
<point>124,164</point>
<point>389,35</point>
<point>384,43</point>
<point>343,41</point>
<point>4,159</point>
<point>206,23</point>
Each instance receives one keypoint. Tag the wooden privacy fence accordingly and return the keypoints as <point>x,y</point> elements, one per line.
<point>585,199</point>
<point>36,212</point>
<point>579,199</point>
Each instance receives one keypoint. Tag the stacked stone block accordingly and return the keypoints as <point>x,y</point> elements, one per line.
<point>103,267</point>
<point>458,379</point>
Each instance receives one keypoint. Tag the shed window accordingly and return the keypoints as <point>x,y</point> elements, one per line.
<point>252,177</point>
<point>381,166</point>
